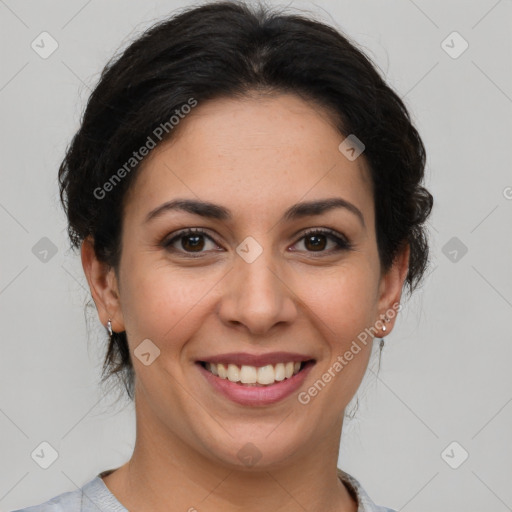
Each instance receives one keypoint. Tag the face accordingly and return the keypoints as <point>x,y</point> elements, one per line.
<point>251,286</point>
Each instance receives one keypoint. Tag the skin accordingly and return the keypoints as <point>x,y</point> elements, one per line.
<point>256,156</point>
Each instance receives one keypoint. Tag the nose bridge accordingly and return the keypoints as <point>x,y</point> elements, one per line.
<point>257,296</point>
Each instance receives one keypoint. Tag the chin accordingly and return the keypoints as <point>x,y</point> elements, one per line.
<point>255,448</point>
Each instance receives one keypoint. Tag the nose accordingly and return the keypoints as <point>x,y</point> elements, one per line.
<point>257,297</point>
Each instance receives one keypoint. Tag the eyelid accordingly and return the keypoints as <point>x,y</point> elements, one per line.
<point>168,240</point>
<point>324,231</point>
<point>342,242</point>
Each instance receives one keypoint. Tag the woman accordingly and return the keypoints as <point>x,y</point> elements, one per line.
<point>247,195</point>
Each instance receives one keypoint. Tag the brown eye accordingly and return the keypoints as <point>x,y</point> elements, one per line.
<point>316,240</point>
<point>189,241</point>
<point>192,242</point>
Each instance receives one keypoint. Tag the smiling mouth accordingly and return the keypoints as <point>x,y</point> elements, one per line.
<point>257,376</point>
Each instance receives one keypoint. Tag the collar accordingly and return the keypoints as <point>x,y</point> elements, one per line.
<point>364,502</point>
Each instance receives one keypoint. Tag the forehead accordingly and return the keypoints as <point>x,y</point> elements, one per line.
<point>255,152</point>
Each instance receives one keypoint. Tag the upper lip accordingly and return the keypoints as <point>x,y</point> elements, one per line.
<point>246,359</point>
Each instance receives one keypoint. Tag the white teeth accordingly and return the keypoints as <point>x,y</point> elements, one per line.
<point>221,370</point>
<point>279,372</point>
<point>266,374</point>
<point>263,375</point>
<point>233,373</point>
<point>288,370</point>
<point>248,375</point>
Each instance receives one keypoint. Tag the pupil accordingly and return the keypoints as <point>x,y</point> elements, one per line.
<point>316,244</point>
<point>195,244</point>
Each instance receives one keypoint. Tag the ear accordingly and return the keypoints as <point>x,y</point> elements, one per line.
<point>390,287</point>
<point>103,285</point>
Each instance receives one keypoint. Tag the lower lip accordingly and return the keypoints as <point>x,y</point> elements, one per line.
<point>256,395</point>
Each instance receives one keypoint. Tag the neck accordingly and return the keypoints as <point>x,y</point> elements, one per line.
<point>164,472</point>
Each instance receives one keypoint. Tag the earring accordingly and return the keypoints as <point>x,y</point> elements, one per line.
<point>109,327</point>
<point>386,319</point>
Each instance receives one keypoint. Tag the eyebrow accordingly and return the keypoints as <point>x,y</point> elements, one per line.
<point>217,212</point>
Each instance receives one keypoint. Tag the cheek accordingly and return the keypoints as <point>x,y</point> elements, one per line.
<point>342,299</point>
<point>160,302</point>
<point>168,304</point>
<point>342,306</point>
<point>342,309</point>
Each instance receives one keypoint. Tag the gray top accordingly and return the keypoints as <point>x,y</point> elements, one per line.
<point>94,496</point>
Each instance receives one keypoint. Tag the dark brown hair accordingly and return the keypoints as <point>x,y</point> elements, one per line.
<point>229,49</point>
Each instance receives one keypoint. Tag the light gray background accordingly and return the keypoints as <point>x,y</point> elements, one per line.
<point>445,372</point>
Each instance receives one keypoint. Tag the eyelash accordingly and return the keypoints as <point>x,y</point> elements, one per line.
<point>342,244</point>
